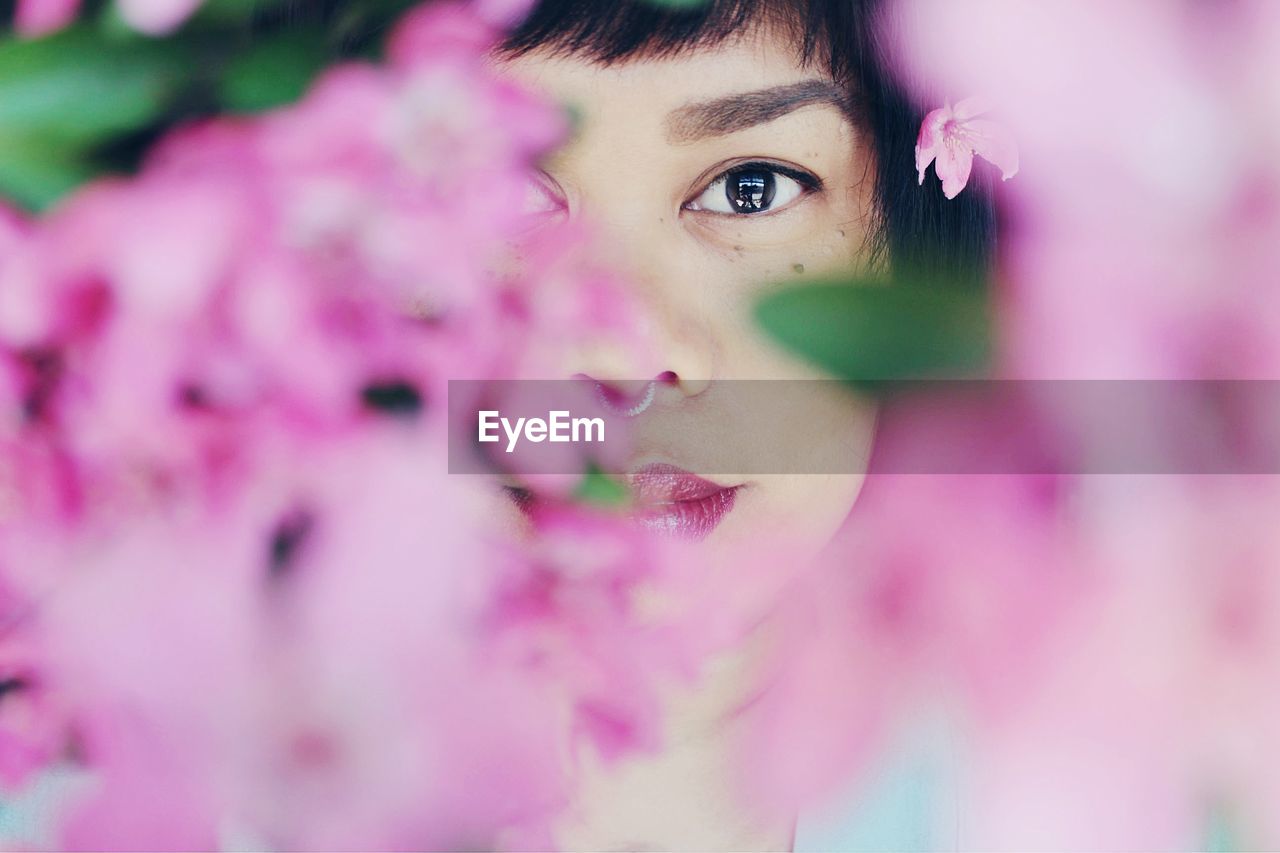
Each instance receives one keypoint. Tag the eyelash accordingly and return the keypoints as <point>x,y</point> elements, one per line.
<point>809,181</point>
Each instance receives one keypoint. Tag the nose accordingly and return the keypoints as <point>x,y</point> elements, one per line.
<point>670,355</point>
<point>662,357</point>
<point>675,348</point>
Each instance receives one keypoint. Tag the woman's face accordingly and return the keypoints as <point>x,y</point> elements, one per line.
<point>711,177</point>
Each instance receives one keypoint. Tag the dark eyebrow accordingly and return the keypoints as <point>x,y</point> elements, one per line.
<point>748,109</point>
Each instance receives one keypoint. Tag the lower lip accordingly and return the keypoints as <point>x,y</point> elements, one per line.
<point>673,502</point>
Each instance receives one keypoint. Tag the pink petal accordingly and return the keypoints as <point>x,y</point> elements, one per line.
<point>157,17</point>
<point>40,17</point>
<point>503,13</point>
<point>955,162</point>
<point>930,138</point>
<point>435,31</point>
<point>924,156</point>
<point>994,143</point>
<point>970,108</point>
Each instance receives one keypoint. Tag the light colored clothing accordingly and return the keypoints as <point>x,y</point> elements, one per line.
<point>27,818</point>
<point>910,803</point>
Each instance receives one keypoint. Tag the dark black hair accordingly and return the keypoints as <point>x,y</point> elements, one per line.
<point>920,231</point>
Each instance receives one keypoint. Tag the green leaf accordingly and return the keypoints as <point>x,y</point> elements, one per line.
<point>76,87</point>
<point>273,73</point>
<point>599,489</point>
<point>35,173</point>
<point>863,331</point>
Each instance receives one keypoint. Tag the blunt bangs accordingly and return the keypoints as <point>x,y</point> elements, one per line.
<point>619,30</point>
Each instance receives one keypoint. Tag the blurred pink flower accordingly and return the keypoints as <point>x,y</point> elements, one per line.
<point>32,729</point>
<point>1146,248</point>
<point>440,30</point>
<point>157,17</point>
<point>950,137</point>
<point>1172,121</point>
<point>223,421</point>
<point>152,17</point>
<point>39,17</point>
<point>1161,683</point>
<point>13,228</point>
<point>890,625</point>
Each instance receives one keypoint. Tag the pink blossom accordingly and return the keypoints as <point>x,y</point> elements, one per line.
<point>1170,121</point>
<point>1156,679</point>
<point>951,136</point>
<point>1160,683</point>
<point>504,13</point>
<point>965,617</point>
<point>223,393</point>
<point>31,723</point>
<point>157,17</point>
<point>152,17</point>
<point>437,30</point>
<point>40,17</point>
<point>13,228</point>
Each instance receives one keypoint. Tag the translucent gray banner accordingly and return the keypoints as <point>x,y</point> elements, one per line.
<point>830,427</point>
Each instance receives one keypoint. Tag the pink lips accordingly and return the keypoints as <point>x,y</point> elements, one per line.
<point>673,501</point>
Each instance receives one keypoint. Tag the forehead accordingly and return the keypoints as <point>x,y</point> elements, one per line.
<point>758,58</point>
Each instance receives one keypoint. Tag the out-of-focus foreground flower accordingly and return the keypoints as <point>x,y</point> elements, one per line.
<point>1104,645</point>
<point>238,592</point>
<point>153,17</point>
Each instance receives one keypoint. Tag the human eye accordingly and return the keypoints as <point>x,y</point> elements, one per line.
<point>542,198</point>
<point>754,188</point>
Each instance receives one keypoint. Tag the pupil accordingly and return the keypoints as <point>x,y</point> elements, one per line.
<point>750,192</point>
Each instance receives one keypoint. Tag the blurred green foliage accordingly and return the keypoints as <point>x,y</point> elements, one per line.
<point>90,100</point>
<point>271,74</point>
<point>870,333</point>
<point>599,489</point>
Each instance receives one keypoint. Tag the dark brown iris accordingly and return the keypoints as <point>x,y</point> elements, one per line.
<point>750,191</point>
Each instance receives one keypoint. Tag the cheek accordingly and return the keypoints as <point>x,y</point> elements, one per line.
<point>804,510</point>
<point>739,278</point>
<point>719,289</point>
<point>835,446</point>
<point>822,237</point>
<point>741,264</point>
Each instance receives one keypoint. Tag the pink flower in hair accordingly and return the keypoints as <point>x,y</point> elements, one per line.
<point>951,136</point>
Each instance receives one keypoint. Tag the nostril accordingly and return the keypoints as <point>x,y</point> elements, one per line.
<point>620,402</point>
<point>629,398</point>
